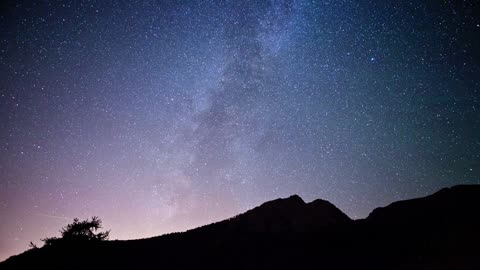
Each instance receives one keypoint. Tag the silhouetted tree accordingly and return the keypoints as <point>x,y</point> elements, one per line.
<point>32,245</point>
<point>80,231</point>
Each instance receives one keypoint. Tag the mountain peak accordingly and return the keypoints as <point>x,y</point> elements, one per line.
<point>289,233</point>
<point>295,197</point>
<point>290,214</point>
<point>293,201</point>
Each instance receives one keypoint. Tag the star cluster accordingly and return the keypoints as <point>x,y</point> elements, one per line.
<point>160,116</point>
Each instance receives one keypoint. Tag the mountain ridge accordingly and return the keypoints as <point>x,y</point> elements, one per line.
<point>433,231</point>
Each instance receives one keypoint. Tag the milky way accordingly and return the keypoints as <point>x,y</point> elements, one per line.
<point>163,116</point>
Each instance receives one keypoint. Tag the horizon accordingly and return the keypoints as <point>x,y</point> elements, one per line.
<point>234,216</point>
<point>160,117</point>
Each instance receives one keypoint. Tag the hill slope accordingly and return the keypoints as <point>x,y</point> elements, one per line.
<point>433,232</point>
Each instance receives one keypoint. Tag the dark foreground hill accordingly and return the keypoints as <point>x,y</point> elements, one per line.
<point>440,231</point>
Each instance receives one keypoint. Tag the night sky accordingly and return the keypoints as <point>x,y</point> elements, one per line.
<point>160,116</point>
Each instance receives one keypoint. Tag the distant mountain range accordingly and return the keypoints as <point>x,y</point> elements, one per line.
<point>440,231</point>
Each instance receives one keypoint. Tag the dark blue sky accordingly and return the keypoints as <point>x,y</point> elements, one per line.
<point>160,116</point>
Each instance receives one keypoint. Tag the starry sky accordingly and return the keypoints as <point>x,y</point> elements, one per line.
<point>160,116</point>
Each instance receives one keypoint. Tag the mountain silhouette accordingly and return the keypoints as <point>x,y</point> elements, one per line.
<point>439,231</point>
<point>291,214</point>
<point>448,206</point>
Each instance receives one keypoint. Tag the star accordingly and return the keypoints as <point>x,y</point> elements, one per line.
<point>182,113</point>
